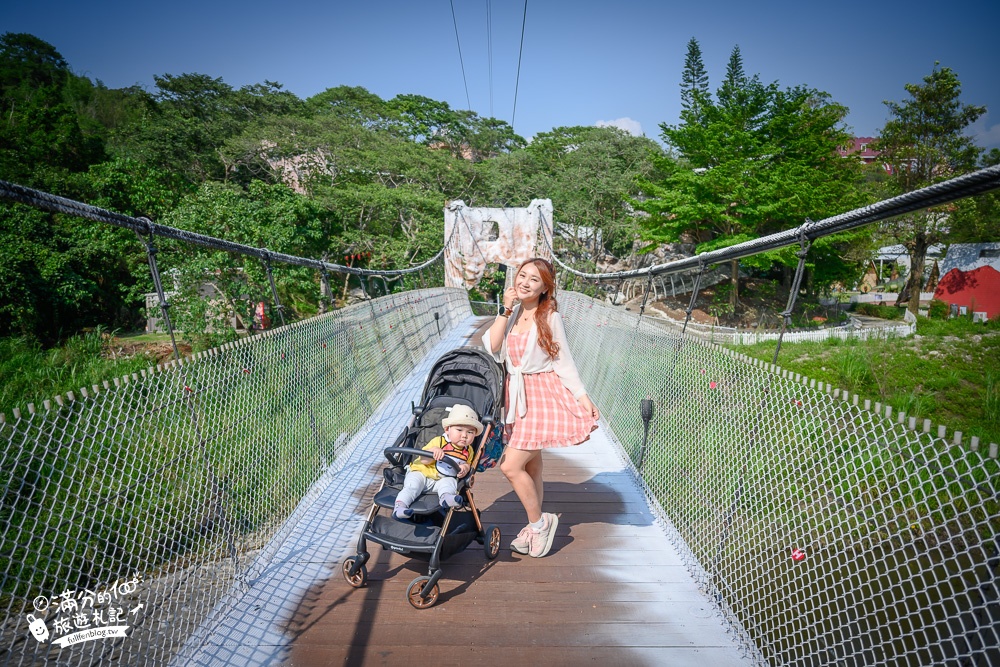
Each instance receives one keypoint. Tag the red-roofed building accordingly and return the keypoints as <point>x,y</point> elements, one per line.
<point>861,147</point>
<point>971,278</point>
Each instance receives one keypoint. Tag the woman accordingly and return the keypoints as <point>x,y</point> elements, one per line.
<point>547,405</point>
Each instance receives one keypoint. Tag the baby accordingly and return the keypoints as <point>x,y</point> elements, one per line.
<point>460,429</point>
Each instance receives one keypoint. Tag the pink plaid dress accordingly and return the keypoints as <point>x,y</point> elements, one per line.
<point>553,418</point>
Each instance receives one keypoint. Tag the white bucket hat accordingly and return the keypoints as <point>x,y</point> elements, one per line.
<point>462,415</point>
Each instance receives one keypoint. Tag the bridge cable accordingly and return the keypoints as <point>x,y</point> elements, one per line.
<point>489,48</point>
<point>55,204</point>
<point>945,192</point>
<point>618,289</point>
<point>645,296</point>
<point>517,80</point>
<point>460,59</point>
<point>695,288</point>
<point>325,290</point>
<point>471,235</point>
<point>274,290</point>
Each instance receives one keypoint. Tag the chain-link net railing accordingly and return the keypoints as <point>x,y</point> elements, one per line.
<point>830,530</point>
<point>130,510</point>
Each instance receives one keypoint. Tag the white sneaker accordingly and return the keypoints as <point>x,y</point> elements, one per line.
<point>540,541</point>
<point>520,543</point>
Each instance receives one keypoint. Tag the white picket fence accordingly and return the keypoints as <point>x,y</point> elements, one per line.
<point>853,329</point>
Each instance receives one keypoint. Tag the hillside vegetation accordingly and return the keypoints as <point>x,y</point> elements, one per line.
<point>353,178</point>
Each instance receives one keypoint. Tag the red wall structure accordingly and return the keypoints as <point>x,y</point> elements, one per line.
<point>978,290</point>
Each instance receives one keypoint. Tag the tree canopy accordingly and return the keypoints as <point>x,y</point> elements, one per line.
<point>343,173</point>
<point>346,173</point>
<point>756,160</point>
<point>924,142</point>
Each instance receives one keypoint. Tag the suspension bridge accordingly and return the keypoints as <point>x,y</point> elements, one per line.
<point>726,512</point>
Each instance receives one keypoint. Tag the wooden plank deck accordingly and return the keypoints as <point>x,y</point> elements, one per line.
<point>612,591</point>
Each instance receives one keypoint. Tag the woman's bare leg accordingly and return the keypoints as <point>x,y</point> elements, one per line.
<point>515,465</point>
<point>534,468</point>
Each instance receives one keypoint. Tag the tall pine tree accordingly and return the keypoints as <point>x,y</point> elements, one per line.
<point>758,160</point>
<point>694,84</point>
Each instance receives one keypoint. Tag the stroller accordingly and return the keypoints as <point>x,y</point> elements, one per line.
<point>465,375</point>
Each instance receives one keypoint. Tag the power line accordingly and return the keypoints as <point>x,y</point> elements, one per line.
<point>464,80</point>
<point>517,81</point>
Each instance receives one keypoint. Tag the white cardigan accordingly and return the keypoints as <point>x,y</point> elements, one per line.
<point>536,360</point>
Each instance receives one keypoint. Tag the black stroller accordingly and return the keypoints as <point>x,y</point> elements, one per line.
<point>469,376</point>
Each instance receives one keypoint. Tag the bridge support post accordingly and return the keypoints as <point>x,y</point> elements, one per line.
<point>646,411</point>
<point>645,296</point>
<point>326,294</point>
<point>160,294</point>
<point>274,289</point>
<point>786,314</point>
<point>694,295</point>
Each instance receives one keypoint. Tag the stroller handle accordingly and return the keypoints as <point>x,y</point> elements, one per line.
<point>396,454</point>
<point>408,450</point>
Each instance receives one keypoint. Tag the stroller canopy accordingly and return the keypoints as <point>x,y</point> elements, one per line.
<point>468,373</point>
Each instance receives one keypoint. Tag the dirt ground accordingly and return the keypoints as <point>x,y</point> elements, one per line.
<point>158,351</point>
<point>758,308</point>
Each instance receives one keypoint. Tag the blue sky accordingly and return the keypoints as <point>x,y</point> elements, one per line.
<point>583,62</point>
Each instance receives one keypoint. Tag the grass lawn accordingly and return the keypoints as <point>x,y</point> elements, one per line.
<point>30,374</point>
<point>948,372</point>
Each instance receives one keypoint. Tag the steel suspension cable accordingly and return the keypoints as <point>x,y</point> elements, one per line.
<point>489,48</point>
<point>520,52</point>
<point>976,183</point>
<point>143,226</point>
<point>460,59</point>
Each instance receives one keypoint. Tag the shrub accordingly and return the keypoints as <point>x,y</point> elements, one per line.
<point>875,310</point>
<point>937,310</point>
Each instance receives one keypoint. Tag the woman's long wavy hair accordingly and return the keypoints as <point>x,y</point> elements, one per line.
<point>546,303</point>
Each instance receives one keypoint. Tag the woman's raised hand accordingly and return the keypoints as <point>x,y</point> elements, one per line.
<point>509,297</point>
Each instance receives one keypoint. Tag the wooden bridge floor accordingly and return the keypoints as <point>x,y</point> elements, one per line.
<point>612,591</point>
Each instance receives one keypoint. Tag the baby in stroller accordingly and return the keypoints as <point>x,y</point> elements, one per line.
<point>451,455</point>
<point>464,396</point>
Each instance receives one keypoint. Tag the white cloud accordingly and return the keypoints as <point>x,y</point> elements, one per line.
<point>986,135</point>
<point>633,127</point>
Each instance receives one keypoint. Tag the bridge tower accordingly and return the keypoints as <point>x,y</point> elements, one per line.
<point>483,236</point>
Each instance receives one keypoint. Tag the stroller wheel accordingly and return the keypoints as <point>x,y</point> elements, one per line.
<point>360,578</point>
<point>414,590</point>
<point>492,544</point>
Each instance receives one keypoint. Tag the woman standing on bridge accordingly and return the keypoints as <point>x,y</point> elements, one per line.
<point>547,405</point>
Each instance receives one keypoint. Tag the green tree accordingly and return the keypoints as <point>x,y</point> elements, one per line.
<point>191,116</point>
<point>215,284</point>
<point>589,173</point>
<point>923,142</point>
<point>355,104</point>
<point>41,129</point>
<point>758,160</point>
<point>592,174</point>
<point>694,81</point>
<point>977,220</point>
